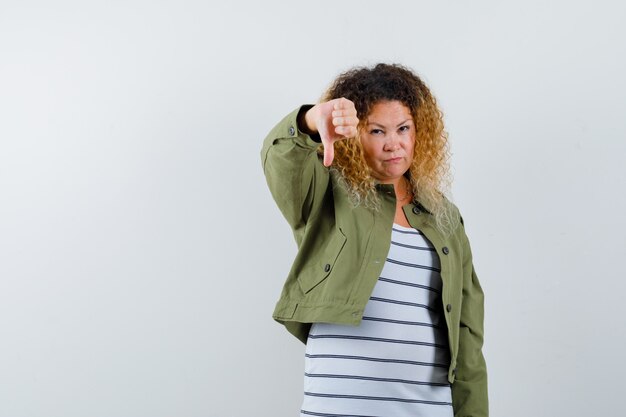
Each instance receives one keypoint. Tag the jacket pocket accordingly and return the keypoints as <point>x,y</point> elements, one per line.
<point>322,267</point>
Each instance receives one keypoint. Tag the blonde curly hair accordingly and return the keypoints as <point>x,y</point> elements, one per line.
<point>429,173</point>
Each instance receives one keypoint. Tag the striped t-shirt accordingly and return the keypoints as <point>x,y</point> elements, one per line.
<point>395,363</point>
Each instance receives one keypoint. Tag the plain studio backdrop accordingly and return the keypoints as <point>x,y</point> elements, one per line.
<point>141,253</point>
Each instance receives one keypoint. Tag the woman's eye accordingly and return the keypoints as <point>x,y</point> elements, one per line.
<point>404,128</point>
<point>376,131</point>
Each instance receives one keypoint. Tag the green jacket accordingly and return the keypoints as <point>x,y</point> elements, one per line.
<point>342,249</point>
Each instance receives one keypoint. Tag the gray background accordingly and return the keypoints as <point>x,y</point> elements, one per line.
<point>141,253</point>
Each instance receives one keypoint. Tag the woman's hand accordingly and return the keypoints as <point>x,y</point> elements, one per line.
<point>333,120</point>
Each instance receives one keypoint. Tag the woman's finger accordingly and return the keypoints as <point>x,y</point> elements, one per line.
<point>345,121</point>
<point>346,131</point>
<point>339,121</point>
<point>343,103</point>
<point>344,113</point>
<point>329,153</point>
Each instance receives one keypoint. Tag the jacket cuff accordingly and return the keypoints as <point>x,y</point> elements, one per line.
<point>289,128</point>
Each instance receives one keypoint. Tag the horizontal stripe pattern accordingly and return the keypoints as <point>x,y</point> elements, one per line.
<point>370,378</point>
<point>395,362</point>
<point>375,359</point>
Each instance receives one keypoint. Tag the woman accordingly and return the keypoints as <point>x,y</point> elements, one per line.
<point>382,290</point>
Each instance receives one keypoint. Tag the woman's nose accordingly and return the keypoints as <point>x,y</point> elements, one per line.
<point>392,143</point>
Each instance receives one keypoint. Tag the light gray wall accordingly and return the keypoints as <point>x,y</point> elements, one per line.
<point>141,253</point>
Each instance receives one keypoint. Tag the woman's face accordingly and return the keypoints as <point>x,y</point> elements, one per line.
<point>388,140</point>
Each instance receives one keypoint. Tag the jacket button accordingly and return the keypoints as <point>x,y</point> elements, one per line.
<point>445,250</point>
<point>292,131</point>
<point>326,267</point>
<point>416,210</point>
<point>449,308</point>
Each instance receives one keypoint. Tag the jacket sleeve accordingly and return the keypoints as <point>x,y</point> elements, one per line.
<point>469,390</point>
<point>294,172</point>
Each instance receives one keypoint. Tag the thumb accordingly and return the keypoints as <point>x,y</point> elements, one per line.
<point>329,152</point>
<point>325,135</point>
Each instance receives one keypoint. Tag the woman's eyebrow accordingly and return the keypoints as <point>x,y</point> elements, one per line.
<point>404,122</point>
<point>383,126</point>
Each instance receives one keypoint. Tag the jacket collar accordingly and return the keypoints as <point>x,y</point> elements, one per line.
<point>389,189</point>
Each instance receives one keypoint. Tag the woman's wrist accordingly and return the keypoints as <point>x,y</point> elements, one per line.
<point>306,122</point>
<point>309,119</point>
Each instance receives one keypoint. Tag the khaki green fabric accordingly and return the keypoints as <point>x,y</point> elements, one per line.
<point>342,249</point>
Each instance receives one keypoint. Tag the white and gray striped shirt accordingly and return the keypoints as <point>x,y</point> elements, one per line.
<point>395,363</point>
